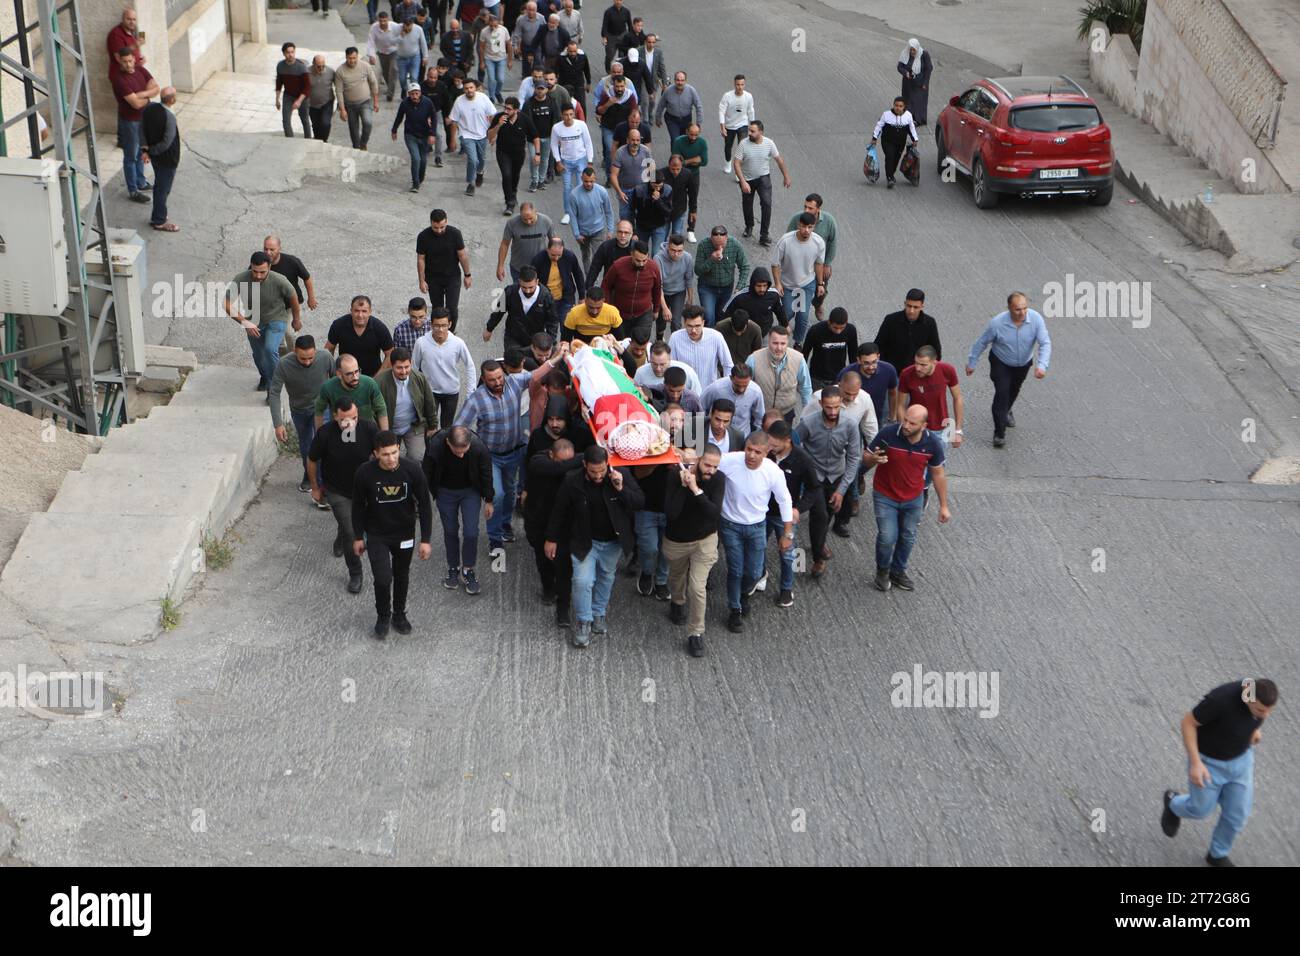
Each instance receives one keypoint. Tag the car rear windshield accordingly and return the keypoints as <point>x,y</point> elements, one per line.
<point>1054,118</point>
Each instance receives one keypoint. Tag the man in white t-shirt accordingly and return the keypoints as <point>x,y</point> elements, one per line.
<point>752,164</point>
<point>470,116</point>
<point>753,480</point>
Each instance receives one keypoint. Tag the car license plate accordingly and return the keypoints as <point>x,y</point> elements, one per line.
<point>1058,173</point>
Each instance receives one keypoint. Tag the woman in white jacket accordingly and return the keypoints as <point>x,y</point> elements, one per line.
<point>894,130</point>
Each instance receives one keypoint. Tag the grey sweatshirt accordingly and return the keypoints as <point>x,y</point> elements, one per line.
<point>303,383</point>
<point>412,44</point>
<point>677,276</point>
<point>686,103</point>
<point>322,88</point>
<point>835,451</point>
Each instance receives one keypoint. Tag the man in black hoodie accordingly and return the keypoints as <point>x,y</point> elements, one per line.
<point>763,304</point>
<point>902,333</point>
<point>593,513</point>
<point>387,494</point>
<point>546,472</point>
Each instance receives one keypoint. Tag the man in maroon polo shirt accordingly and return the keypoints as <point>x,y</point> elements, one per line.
<point>901,453</point>
<point>635,286</point>
<point>134,88</point>
<point>125,34</point>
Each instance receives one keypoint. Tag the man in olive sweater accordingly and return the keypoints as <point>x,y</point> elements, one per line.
<point>362,389</point>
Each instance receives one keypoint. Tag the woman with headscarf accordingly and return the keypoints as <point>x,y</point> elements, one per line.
<point>915,67</point>
<point>894,131</point>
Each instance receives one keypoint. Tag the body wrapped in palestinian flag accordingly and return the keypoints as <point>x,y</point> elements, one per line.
<point>609,400</point>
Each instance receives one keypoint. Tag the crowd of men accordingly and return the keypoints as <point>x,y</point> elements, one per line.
<point>782,411</point>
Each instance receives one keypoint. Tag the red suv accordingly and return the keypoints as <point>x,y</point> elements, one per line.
<point>1027,136</point>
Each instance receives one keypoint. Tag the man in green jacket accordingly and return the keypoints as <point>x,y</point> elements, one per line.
<point>824,227</point>
<point>720,265</point>
<point>360,388</point>
<point>414,409</point>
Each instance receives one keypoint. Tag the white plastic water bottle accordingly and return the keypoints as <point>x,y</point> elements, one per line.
<point>1209,194</point>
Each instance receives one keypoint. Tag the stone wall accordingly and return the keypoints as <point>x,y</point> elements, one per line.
<point>1114,68</point>
<point>1177,95</point>
<point>199,44</point>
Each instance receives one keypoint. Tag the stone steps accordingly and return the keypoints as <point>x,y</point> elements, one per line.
<point>126,530</point>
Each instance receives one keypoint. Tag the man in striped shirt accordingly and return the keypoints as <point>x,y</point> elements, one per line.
<point>704,350</point>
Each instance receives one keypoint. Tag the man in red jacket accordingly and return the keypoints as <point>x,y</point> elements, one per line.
<point>634,285</point>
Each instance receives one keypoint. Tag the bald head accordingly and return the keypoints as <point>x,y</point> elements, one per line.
<point>169,96</point>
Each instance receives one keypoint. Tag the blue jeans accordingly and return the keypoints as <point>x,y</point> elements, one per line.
<point>677,226</point>
<point>359,122</point>
<point>496,78</point>
<point>625,206</point>
<point>896,523</point>
<point>372,9</point>
<point>799,315</point>
<point>458,508</point>
<point>419,148</point>
<point>650,527</point>
<point>266,349</point>
<point>505,471</point>
<point>775,526</point>
<point>676,126</point>
<point>947,450</point>
<point>657,238</point>
<point>572,179</point>
<point>713,299</point>
<point>544,164</point>
<point>129,134</point>
<point>304,423</point>
<point>606,148</point>
<point>163,177</point>
<point>1232,787</point>
<point>408,71</point>
<point>593,579</point>
<point>746,548</point>
<point>475,151</point>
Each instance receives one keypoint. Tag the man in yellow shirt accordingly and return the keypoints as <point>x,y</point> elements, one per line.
<point>594,317</point>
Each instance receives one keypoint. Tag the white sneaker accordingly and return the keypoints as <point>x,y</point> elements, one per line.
<point>760,584</point>
<point>690,237</point>
<point>564,220</point>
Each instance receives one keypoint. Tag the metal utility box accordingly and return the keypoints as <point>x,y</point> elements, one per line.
<point>33,254</point>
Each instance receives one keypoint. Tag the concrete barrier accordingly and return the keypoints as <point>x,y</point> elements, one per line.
<point>126,531</point>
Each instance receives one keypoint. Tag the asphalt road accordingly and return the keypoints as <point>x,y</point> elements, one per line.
<point>484,738</point>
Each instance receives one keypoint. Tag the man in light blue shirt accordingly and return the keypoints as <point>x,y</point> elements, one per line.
<point>1012,335</point>
<point>593,216</point>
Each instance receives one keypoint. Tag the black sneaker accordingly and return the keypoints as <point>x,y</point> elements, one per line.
<point>145,187</point>
<point>508,536</point>
<point>469,190</point>
<point>471,581</point>
<point>645,585</point>
<point>841,530</point>
<point>139,197</point>
<point>677,613</point>
<point>401,623</point>
<point>304,486</point>
<point>452,581</point>
<point>889,184</point>
<point>735,624</point>
<point>1218,860</point>
<point>882,579</point>
<point>261,387</point>
<point>764,241</point>
<point>662,593</point>
<point>478,180</point>
<point>1011,419</point>
<point>901,581</point>
<point>748,233</point>
<point>548,597</point>
<point>338,548</point>
<point>438,163</point>
<point>1170,821</point>
<point>599,627</point>
<point>695,645</point>
<point>381,626</point>
<point>354,583</point>
<point>786,599</point>
<point>532,187</point>
<point>541,186</point>
<point>999,441</point>
<point>563,617</point>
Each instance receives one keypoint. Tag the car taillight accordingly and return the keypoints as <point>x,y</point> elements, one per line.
<point>1099,135</point>
<point>1011,137</point>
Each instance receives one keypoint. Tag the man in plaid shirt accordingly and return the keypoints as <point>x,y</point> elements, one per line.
<point>413,326</point>
<point>494,411</point>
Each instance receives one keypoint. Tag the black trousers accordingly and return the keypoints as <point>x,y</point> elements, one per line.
<point>1007,380</point>
<point>762,188</point>
<point>730,139</point>
<point>841,518</point>
<point>819,523</point>
<point>894,141</point>
<point>446,408</point>
<point>322,117</point>
<point>557,575</point>
<point>445,291</point>
<point>390,564</point>
<point>511,165</point>
<point>643,321</point>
